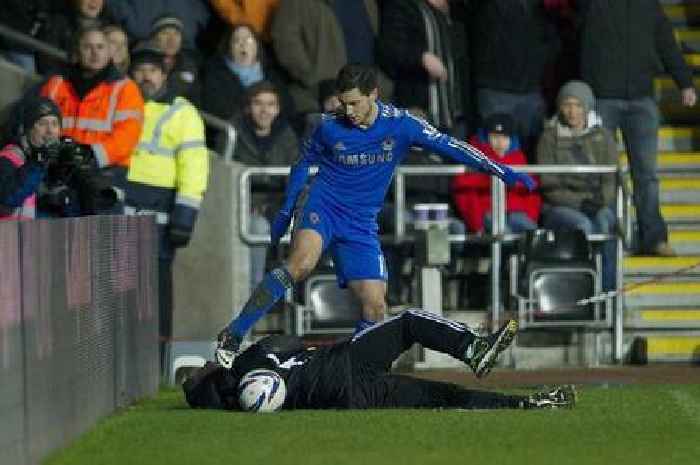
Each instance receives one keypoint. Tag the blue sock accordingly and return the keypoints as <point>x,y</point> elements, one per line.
<point>362,325</point>
<point>272,288</point>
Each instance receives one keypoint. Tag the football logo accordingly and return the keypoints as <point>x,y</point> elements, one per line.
<point>314,218</point>
<point>388,144</point>
<point>339,148</point>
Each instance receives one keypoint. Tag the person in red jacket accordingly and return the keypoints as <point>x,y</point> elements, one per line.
<point>471,192</point>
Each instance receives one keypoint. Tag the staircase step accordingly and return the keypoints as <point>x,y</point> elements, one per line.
<point>675,213</point>
<point>646,265</point>
<point>679,214</point>
<point>673,318</point>
<point>692,59</point>
<point>682,13</point>
<point>673,348</point>
<point>685,242</point>
<point>676,189</point>
<point>679,190</point>
<point>675,138</point>
<point>689,37</point>
<point>660,294</point>
<point>671,161</point>
<point>665,84</point>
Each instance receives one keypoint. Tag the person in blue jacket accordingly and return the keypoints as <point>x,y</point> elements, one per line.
<point>357,151</point>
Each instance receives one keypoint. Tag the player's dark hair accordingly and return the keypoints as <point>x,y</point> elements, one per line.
<point>358,76</point>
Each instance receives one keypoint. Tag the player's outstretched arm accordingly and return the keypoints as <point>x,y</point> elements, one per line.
<point>426,136</point>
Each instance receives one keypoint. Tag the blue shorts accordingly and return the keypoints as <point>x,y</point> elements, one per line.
<point>353,244</point>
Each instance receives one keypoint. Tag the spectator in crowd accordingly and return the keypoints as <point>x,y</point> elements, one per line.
<point>471,192</point>
<point>264,138</point>
<point>416,49</point>
<point>181,64</point>
<point>313,39</point>
<point>621,46</point>
<point>512,41</point>
<point>575,136</point>
<point>100,107</point>
<point>63,27</point>
<point>138,16</point>
<point>257,13</point>
<point>23,159</point>
<point>169,168</point>
<point>239,65</point>
<point>328,102</point>
<point>118,47</point>
<point>28,17</point>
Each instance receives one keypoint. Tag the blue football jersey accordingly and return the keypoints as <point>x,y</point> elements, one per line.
<point>356,165</point>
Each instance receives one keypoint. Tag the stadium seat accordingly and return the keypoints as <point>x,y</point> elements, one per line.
<point>327,309</point>
<point>550,273</point>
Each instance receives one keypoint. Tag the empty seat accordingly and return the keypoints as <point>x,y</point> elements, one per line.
<point>328,309</point>
<point>550,274</point>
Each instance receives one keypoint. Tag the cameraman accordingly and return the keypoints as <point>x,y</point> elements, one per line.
<point>23,160</point>
<point>74,185</point>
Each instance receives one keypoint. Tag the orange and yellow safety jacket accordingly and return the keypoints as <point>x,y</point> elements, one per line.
<point>109,117</point>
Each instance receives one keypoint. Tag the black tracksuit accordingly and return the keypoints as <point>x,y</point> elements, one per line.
<point>352,374</point>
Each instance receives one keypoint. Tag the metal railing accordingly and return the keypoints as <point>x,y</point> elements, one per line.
<point>30,42</point>
<point>227,128</point>
<point>496,238</point>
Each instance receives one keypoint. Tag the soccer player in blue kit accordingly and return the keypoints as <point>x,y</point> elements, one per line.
<point>357,151</point>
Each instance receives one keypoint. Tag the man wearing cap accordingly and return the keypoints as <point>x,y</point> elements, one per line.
<point>181,65</point>
<point>575,136</point>
<point>100,107</point>
<point>137,17</point>
<point>169,168</point>
<point>23,159</point>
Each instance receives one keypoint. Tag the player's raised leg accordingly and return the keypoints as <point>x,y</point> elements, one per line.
<point>381,344</point>
<point>306,251</point>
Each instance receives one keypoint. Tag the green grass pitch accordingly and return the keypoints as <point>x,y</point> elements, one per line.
<point>618,425</point>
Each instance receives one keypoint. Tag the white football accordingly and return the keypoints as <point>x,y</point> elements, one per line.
<point>261,391</point>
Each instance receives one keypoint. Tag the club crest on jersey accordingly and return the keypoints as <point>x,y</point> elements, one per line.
<point>314,218</point>
<point>339,148</point>
<point>388,145</point>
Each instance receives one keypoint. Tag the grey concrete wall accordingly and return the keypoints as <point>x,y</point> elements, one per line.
<point>13,82</point>
<point>211,275</point>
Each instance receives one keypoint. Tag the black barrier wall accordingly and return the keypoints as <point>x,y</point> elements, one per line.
<point>78,327</point>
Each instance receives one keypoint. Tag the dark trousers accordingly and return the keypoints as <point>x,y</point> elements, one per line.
<point>638,120</point>
<point>166,254</point>
<point>373,351</point>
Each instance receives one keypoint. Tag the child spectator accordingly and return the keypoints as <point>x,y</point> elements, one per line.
<point>471,192</point>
